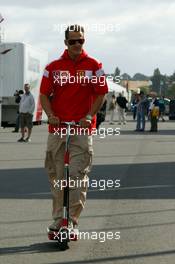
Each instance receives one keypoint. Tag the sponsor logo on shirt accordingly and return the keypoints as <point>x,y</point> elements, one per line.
<point>82,77</point>
<point>81,73</point>
<point>60,77</point>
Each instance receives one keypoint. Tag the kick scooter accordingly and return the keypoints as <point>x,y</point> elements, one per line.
<point>65,234</point>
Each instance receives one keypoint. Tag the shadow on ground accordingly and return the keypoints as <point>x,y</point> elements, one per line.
<point>138,181</point>
<point>53,247</point>
<point>162,132</point>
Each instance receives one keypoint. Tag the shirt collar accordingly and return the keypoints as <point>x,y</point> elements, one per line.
<point>83,55</point>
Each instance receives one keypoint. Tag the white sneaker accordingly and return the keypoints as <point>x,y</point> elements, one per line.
<point>28,139</point>
<point>55,226</point>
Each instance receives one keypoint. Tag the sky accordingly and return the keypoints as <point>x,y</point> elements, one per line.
<point>136,36</point>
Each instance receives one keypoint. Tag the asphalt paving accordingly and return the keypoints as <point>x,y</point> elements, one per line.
<point>133,223</point>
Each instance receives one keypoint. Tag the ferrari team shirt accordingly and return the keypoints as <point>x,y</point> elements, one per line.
<point>73,86</point>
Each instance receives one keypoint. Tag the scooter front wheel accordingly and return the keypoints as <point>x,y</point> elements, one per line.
<point>63,239</point>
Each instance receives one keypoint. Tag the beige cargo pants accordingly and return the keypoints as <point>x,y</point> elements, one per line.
<point>81,152</point>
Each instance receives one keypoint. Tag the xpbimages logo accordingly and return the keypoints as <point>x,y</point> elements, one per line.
<point>100,236</point>
<point>101,184</point>
<point>102,132</point>
<point>100,28</point>
<point>83,77</point>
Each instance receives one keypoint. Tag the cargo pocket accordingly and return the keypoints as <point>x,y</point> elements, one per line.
<point>81,157</point>
<point>86,163</point>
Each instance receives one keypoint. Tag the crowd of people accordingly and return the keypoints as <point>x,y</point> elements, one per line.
<point>148,107</point>
<point>144,107</point>
<point>119,102</point>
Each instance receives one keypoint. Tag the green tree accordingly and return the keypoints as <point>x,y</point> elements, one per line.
<point>170,92</point>
<point>156,80</point>
<point>172,77</point>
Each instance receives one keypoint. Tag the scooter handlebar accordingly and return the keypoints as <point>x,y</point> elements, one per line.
<point>72,123</point>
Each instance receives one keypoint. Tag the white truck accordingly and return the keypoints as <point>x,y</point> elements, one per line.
<point>19,64</point>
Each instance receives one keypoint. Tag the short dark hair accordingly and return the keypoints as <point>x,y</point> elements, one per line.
<point>27,84</point>
<point>74,28</point>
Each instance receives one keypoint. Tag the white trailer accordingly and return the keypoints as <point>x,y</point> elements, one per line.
<point>19,64</point>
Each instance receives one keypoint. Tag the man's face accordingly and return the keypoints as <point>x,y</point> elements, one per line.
<point>75,47</point>
<point>26,88</point>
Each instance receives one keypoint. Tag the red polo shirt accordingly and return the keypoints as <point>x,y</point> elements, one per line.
<point>73,86</point>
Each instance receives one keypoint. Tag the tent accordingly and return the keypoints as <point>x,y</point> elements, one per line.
<point>115,88</point>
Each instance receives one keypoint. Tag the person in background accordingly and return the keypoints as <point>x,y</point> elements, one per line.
<point>26,109</point>
<point>154,113</point>
<point>112,106</point>
<point>101,115</point>
<point>141,112</point>
<point>147,105</point>
<point>18,95</point>
<point>134,105</point>
<point>122,106</point>
<point>162,108</point>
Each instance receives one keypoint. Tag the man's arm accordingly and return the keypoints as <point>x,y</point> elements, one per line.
<point>45,103</point>
<point>97,105</point>
<point>32,106</point>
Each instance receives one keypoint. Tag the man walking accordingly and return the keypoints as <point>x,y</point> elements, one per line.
<point>18,96</point>
<point>75,97</point>
<point>121,102</point>
<point>112,107</point>
<point>26,109</point>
